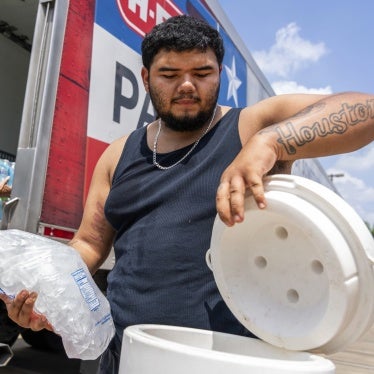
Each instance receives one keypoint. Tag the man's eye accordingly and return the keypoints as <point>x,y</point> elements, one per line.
<point>169,76</point>
<point>202,75</point>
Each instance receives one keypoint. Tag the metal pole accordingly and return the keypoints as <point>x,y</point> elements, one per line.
<point>6,354</point>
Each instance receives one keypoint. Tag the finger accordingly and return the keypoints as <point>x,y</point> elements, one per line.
<point>49,327</point>
<point>27,310</point>
<point>39,322</point>
<point>4,182</point>
<point>14,307</point>
<point>223,203</point>
<point>257,190</point>
<point>237,193</point>
<point>21,311</point>
<point>5,298</point>
<point>22,308</point>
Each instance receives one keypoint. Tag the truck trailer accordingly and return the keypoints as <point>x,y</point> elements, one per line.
<point>70,84</point>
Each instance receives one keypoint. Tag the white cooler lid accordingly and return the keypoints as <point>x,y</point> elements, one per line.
<point>298,274</point>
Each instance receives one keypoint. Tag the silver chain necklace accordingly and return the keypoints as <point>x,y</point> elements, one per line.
<point>155,163</point>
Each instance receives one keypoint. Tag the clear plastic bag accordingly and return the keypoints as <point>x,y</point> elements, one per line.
<point>67,294</point>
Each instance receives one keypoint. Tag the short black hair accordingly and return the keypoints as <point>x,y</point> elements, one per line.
<point>181,33</point>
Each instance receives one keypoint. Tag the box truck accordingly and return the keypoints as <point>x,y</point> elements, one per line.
<point>69,85</point>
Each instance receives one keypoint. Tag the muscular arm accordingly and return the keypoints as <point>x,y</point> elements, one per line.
<point>336,124</point>
<point>343,123</point>
<point>273,110</point>
<point>94,237</point>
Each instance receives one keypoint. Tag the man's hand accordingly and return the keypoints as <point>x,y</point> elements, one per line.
<point>5,190</point>
<point>245,174</point>
<point>21,311</point>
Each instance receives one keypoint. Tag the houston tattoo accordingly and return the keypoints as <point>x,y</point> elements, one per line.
<point>335,123</point>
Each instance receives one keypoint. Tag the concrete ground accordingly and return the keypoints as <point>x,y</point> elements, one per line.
<point>28,360</point>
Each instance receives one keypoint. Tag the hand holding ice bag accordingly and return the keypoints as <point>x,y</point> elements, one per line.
<point>68,298</point>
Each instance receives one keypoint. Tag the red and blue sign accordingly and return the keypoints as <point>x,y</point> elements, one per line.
<point>118,102</point>
<point>130,20</point>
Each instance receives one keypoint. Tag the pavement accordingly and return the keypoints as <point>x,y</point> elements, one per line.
<point>28,360</point>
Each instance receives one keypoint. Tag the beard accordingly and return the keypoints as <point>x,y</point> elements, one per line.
<point>187,122</point>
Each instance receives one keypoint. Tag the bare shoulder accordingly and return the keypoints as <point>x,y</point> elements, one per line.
<point>116,147</point>
<point>110,157</point>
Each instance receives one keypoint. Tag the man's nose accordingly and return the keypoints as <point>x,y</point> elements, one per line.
<point>186,85</point>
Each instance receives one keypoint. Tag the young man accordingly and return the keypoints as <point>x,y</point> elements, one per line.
<point>155,194</point>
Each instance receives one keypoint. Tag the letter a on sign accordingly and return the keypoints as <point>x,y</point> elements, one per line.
<point>142,15</point>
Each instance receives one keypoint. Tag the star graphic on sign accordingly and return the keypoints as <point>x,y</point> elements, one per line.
<point>234,82</point>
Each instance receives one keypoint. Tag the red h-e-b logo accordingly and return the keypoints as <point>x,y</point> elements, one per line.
<point>143,15</point>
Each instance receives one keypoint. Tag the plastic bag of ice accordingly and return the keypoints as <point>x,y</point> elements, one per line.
<point>67,294</point>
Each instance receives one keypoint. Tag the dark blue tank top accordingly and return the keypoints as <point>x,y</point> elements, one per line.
<point>164,221</point>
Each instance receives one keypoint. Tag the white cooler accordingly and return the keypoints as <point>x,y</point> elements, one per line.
<point>298,274</point>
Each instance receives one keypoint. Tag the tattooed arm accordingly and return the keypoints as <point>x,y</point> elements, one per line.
<point>345,129</point>
<point>336,124</point>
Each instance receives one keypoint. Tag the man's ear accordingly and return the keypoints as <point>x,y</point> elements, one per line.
<point>145,78</point>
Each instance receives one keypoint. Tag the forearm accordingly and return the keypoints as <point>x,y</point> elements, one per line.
<point>92,256</point>
<point>337,124</point>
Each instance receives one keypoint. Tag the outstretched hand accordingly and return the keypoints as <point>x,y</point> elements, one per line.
<point>245,174</point>
<point>21,311</point>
